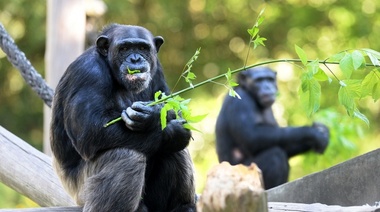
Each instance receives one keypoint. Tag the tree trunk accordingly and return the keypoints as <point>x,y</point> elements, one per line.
<point>233,188</point>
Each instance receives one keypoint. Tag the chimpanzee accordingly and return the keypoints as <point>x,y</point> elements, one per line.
<point>247,132</point>
<point>132,165</point>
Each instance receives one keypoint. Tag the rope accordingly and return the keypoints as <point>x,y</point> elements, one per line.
<point>30,75</point>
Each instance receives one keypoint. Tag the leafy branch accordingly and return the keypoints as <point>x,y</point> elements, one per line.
<point>350,89</point>
<point>310,90</point>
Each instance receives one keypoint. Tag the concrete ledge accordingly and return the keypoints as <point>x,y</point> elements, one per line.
<point>351,183</point>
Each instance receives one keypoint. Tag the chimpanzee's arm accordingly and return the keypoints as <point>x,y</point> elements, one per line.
<point>253,132</point>
<point>294,140</point>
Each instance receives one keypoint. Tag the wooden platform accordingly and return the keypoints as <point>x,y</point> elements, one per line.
<point>272,206</point>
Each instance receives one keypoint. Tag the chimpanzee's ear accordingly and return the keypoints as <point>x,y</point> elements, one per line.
<point>158,41</point>
<point>102,45</point>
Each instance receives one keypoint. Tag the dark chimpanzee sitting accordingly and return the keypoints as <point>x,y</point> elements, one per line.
<point>247,132</point>
<point>132,165</point>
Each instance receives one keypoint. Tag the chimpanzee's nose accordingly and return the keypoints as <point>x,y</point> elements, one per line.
<point>134,58</point>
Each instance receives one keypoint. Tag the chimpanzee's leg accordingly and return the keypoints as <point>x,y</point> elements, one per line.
<point>274,166</point>
<point>114,181</point>
<point>170,183</point>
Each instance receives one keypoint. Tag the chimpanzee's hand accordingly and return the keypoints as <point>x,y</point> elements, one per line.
<point>139,116</point>
<point>322,137</point>
<point>175,136</point>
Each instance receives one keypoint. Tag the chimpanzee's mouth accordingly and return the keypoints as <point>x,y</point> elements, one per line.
<point>135,70</point>
<point>136,74</point>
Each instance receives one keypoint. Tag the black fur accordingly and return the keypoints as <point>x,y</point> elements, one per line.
<point>132,165</point>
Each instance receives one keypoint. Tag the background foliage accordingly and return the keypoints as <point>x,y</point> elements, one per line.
<point>320,27</point>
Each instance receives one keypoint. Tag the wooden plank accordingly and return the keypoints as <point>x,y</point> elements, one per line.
<point>29,172</point>
<point>353,182</point>
<point>300,207</point>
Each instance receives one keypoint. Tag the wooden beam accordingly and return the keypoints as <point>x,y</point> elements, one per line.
<point>29,172</point>
<point>65,41</point>
<point>300,207</point>
<point>272,207</point>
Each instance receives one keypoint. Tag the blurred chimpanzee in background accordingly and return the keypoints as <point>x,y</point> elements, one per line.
<point>247,132</point>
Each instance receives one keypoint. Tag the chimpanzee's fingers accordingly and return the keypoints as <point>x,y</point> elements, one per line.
<point>133,119</point>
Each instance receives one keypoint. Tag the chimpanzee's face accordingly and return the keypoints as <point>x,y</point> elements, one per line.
<point>132,53</point>
<point>261,84</point>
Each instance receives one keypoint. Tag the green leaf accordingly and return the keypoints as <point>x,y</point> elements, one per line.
<point>194,57</point>
<point>346,64</point>
<point>253,32</point>
<point>368,84</point>
<point>195,119</point>
<point>313,67</point>
<point>231,84</point>
<point>190,127</point>
<point>260,20</point>
<point>301,54</point>
<point>133,71</point>
<point>347,95</point>
<point>190,76</point>
<point>373,55</point>
<point>157,95</point>
<point>232,92</point>
<point>376,92</point>
<point>259,41</point>
<point>260,16</point>
<point>338,56</point>
<point>361,116</point>
<point>228,75</point>
<point>310,93</point>
<point>321,76</point>
<point>357,59</point>
<point>373,59</point>
<point>163,115</point>
<point>346,100</point>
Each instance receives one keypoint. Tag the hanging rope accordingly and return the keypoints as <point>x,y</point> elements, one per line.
<point>30,75</point>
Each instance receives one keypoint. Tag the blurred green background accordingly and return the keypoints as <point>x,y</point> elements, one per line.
<point>320,27</point>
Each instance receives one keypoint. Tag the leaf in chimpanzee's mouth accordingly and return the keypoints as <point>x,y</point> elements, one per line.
<point>135,71</point>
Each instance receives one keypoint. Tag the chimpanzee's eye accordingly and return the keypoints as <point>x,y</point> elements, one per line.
<point>142,47</point>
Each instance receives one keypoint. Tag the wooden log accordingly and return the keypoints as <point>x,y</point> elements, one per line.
<point>29,172</point>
